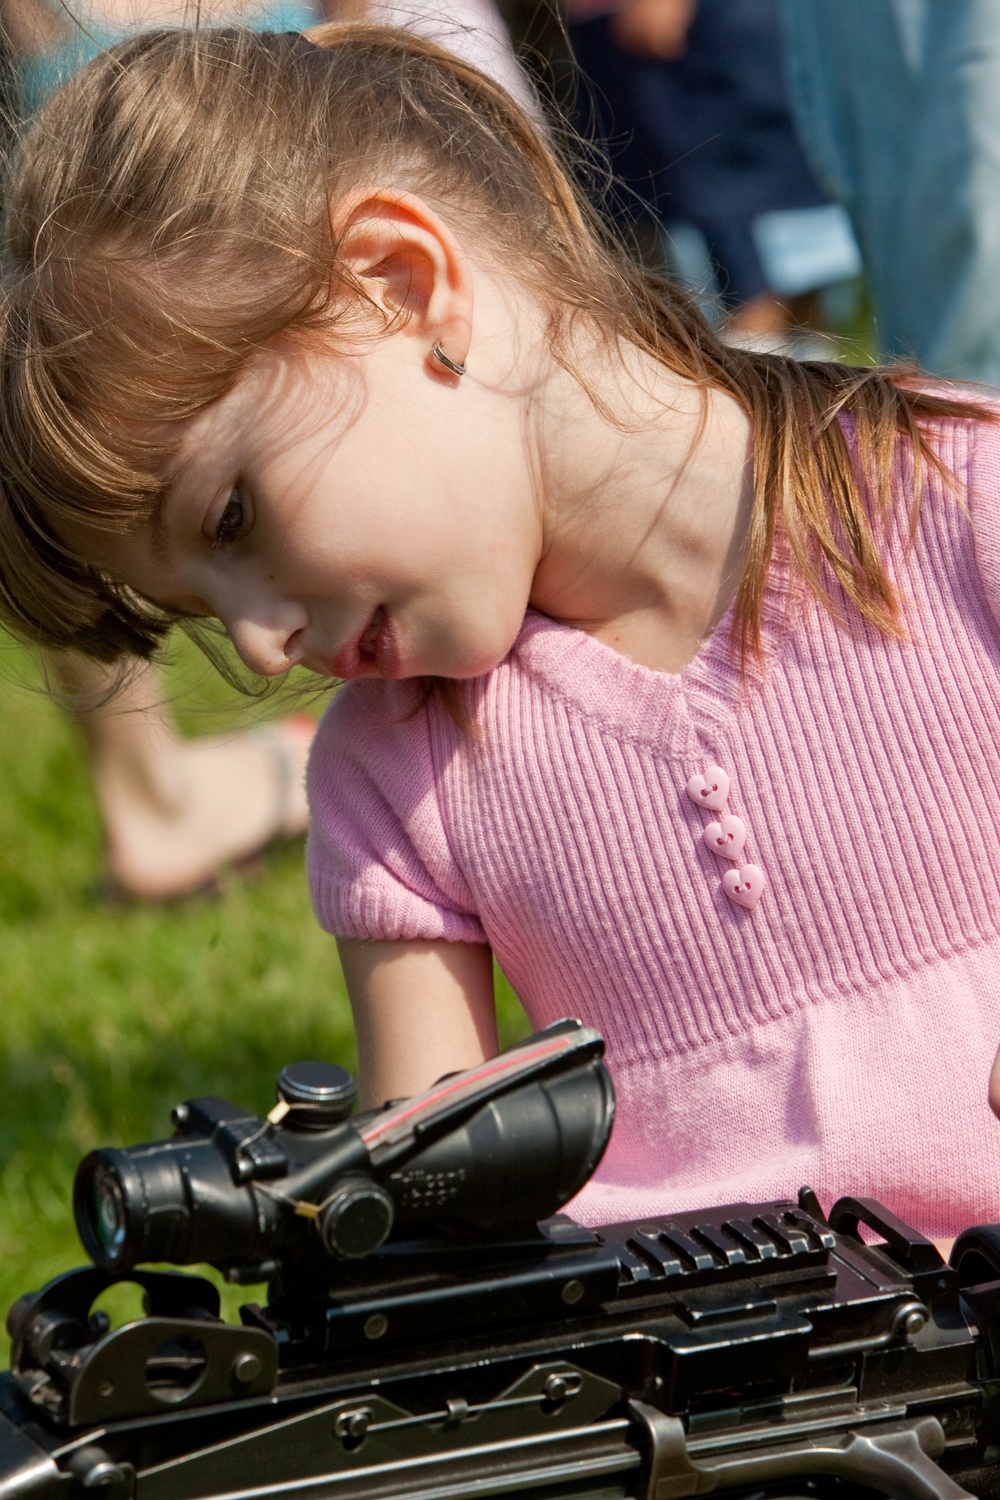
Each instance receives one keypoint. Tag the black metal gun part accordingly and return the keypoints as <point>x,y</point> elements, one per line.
<point>747,1350</point>
<point>499,1146</point>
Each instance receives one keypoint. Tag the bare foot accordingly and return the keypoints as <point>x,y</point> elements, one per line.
<point>182,811</point>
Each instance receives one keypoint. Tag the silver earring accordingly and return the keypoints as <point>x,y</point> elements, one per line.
<point>449,364</point>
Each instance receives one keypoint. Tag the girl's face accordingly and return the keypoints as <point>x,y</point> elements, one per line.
<point>361,513</point>
<point>358,515</point>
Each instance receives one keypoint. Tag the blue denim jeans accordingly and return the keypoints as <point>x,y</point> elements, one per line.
<point>706,138</point>
<point>897,103</point>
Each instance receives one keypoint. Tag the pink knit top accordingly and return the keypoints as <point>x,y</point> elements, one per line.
<point>821,1006</point>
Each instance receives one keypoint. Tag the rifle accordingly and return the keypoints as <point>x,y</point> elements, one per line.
<point>436,1330</point>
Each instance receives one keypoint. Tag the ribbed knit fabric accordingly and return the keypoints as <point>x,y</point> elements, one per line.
<point>839,1033</point>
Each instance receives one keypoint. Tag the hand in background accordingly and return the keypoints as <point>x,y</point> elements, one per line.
<point>655,28</point>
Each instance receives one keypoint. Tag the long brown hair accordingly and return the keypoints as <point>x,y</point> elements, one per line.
<point>170,214</point>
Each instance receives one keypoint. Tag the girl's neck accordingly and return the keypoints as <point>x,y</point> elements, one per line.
<point>645,515</point>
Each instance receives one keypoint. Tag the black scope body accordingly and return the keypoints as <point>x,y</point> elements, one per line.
<point>499,1146</point>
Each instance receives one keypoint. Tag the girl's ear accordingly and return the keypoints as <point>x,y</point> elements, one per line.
<point>406,260</point>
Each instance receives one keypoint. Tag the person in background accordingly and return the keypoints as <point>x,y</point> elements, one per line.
<point>177,811</point>
<point>689,96</point>
<point>52,40</point>
<point>897,103</point>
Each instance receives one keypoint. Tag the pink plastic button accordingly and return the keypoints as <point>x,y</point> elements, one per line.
<point>710,790</point>
<point>727,837</point>
<point>745,886</point>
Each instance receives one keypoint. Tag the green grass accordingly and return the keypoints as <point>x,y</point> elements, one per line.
<point>111,1014</point>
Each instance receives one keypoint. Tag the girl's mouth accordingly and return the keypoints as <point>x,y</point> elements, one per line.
<point>370,654</point>
<point>368,644</point>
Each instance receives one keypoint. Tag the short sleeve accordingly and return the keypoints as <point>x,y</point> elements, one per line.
<point>379,861</point>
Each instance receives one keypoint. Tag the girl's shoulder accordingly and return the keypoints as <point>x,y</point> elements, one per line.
<point>983,436</point>
<point>969,450</point>
<point>969,447</point>
<point>368,723</point>
<point>966,449</point>
<point>379,859</point>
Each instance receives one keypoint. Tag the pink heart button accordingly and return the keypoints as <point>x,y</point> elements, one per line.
<point>710,790</point>
<point>745,886</point>
<point>727,837</point>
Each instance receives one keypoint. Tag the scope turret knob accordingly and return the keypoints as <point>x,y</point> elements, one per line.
<point>319,1094</point>
<point>357,1218</point>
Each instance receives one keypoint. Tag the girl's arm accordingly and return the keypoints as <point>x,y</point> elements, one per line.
<point>420,1009</point>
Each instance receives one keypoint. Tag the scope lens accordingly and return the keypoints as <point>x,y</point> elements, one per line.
<point>133,1206</point>
<point>109,1217</point>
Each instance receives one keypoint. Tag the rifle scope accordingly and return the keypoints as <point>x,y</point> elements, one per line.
<point>501,1145</point>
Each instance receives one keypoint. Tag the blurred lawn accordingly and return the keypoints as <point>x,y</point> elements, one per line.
<point>111,1014</point>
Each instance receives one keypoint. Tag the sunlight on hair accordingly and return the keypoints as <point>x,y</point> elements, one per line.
<point>169,216</point>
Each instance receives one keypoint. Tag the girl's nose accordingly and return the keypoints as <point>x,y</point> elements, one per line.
<point>267,649</point>
<point>264,623</point>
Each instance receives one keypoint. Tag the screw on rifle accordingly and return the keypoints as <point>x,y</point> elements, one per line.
<point>246,1368</point>
<point>572,1291</point>
<point>106,1388</point>
<point>910,1319</point>
<point>376,1325</point>
<point>352,1426</point>
<point>96,1470</point>
<point>457,1409</point>
<point>563,1387</point>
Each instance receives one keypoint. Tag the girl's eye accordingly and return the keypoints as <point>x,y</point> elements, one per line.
<point>231,521</point>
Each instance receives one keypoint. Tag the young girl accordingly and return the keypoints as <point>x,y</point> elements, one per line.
<point>676,669</point>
